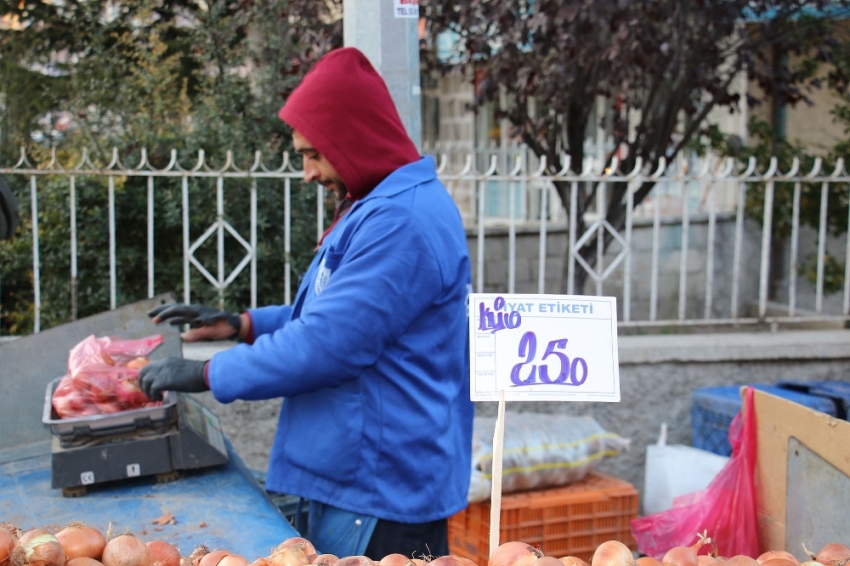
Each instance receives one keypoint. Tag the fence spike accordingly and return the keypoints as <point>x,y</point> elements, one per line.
<point>200,161</point>
<point>839,166</point>
<point>662,167</point>
<point>114,159</point>
<point>795,168</point>
<point>751,168</point>
<point>815,168</point>
<point>443,163</point>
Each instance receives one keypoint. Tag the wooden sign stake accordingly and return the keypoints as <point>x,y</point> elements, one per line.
<point>496,493</point>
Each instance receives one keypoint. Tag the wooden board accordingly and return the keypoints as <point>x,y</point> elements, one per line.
<point>777,421</point>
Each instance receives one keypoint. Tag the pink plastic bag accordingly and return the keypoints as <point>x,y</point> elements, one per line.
<point>98,379</point>
<point>726,508</point>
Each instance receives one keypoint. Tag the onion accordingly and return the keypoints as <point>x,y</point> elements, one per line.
<point>197,554</point>
<point>38,548</point>
<point>576,561</point>
<point>779,562</point>
<point>288,556</point>
<point>833,554</point>
<point>79,540</point>
<point>706,560</point>
<point>685,555</point>
<point>355,561</point>
<point>233,560</point>
<point>647,561</point>
<point>612,553</point>
<point>395,559</point>
<point>741,560</point>
<point>514,553</point>
<point>83,561</point>
<point>163,553</point>
<point>547,561</point>
<point>126,550</point>
<point>301,542</point>
<point>451,560</point>
<point>213,558</point>
<point>325,559</point>
<point>7,544</point>
<point>418,562</point>
<point>771,554</point>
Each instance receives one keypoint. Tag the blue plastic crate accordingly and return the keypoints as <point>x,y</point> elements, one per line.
<point>838,391</point>
<point>713,408</point>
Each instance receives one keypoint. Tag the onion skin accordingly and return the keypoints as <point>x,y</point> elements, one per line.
<point>197,554</point>
<point>83,561</point>
<point>833,554</point>
<point>233,560</point>
<point>741,560</point>
<point>778,562</point>
<point>7,545</point>
<point>163,553</point>
<point>38,548</point>
<point>325,559</point>
<point>79,540</point>
<point>355,561</point>
<point>213,558</point>
<point>288,556</point>
<point>612,553</point>
<point>126,550</point>
<point>576,561</point>
<point>514,553</point>
<point>301,542</point>
<point>450,560</point>
<point>547,561</point>
<point>771,554</point>
<point>647,561</point>
<point>706,560</point>
<point>395,559</point>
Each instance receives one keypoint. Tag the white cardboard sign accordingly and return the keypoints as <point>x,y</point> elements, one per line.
<point>543,347</point>
<point>406,8</point>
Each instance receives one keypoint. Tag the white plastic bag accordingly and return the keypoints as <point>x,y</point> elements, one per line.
<point>540,450</point>
<point>674,470</point>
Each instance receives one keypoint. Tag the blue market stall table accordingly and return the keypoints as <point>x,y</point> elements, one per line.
<point>222,507</point>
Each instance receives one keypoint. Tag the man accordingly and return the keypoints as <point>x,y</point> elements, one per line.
<point>371,359</point>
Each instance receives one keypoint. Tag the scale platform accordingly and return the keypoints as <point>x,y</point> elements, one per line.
<point>181,434</point>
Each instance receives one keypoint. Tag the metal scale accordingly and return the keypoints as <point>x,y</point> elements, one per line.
<point>181,434</point>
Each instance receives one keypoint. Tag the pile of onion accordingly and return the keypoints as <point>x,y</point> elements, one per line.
<point>38,548</point>
<point>612,553</point>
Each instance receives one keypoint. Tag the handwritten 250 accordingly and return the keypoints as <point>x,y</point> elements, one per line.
<point>570,372</point>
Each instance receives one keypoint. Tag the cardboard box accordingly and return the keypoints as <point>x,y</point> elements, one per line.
<point>802,476</point>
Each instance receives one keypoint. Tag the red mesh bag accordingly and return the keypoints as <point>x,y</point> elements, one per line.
<point>726,508</point>
<point>99,380</point>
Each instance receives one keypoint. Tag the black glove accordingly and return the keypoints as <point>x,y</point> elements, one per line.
<point>195,315</point>
<point>172,374</point>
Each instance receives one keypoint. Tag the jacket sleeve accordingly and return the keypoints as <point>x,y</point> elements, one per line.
<point>387,276</point>
<point>265,320</point>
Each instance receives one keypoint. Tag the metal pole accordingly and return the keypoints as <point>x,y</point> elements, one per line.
<point>387,32</point>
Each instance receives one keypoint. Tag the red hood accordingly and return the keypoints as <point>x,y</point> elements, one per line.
<point>343,108</point>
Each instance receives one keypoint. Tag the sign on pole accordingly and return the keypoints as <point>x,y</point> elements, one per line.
<point>406,8</point>
<point>539,348</point>
<point>543,348</point>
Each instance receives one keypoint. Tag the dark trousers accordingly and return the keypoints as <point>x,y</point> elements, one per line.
<point>413,540</point>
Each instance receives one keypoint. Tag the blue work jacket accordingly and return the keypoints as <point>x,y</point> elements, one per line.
<point>371,359</point>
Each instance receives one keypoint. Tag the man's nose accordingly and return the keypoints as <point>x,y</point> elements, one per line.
<point>311,172</point>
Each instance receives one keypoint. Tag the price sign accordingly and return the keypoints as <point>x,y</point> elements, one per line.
<point>543,347</point>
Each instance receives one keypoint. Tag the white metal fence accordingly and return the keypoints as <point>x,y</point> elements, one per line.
<point>513,192</point>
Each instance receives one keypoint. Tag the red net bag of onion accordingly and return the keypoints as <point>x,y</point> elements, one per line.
<point>103,377</point>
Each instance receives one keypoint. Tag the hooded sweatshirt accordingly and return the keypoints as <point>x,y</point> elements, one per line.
<point>370,143</point>
<point>372,358</point>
